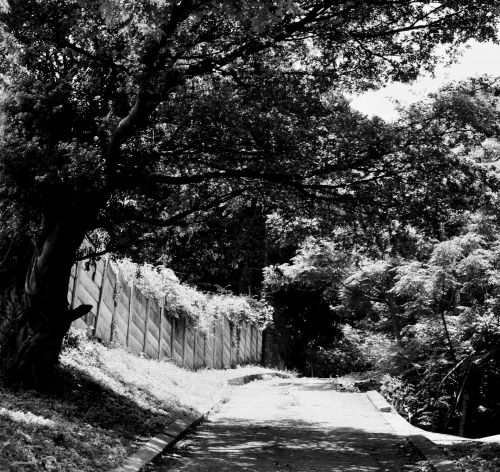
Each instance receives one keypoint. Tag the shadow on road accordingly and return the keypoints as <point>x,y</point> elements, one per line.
<point>291,445</point>
<point>313,385</point>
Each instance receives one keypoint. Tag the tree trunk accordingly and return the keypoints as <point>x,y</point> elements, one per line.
<point>35,345</point>
<point>464,413</point>
<point>394,312</point>
<point>448,337</point>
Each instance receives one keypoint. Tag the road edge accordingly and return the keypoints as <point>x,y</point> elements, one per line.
<point>427,448</point>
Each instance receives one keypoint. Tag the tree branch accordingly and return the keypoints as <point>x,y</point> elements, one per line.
<point>65,43</point>
<point>92,255</point>
<point>178,217</point>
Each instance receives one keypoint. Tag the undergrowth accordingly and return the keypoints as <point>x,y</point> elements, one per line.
<point>475,456</point>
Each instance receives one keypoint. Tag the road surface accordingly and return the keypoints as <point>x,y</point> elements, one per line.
<point>293,425</point>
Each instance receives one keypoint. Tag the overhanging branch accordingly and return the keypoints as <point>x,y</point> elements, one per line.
<point>178,217</point>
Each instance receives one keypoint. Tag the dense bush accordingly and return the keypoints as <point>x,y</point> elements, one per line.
<point>402,395</point>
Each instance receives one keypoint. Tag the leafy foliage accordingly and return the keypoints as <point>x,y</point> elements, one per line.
<point>444,373</point>
<point>152,112</point>
<point>225,252</point>
<point>475,456</point>
<point>184,301</point>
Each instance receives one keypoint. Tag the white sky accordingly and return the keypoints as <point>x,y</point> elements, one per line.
<point>478,59</point>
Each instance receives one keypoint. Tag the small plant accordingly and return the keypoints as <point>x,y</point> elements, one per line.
<point>75,338</point>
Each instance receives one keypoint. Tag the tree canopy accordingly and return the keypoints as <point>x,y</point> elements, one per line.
<point>121,116</point>
<point>220,91</point>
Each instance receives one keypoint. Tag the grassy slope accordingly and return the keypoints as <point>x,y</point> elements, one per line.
<point>106,402</point>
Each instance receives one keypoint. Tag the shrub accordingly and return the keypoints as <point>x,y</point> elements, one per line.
<point>401,394</point>
<point>75,338</point>
<point>183,301</point>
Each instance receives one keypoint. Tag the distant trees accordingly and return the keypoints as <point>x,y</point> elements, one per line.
<point>126,116</point>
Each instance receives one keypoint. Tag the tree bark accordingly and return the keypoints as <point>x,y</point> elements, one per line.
<point>394,312</point>
<point>35,345</point>
<point>464,413</point>
<point>448,337</point>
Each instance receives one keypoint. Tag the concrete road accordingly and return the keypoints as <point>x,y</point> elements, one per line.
<point>289,425</point>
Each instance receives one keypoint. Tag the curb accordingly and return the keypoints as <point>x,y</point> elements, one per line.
<point>156,445</point>
<point>178,428</point>
<point>427,448</point>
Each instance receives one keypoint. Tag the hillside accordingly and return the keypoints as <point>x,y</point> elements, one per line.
<point>104,403</point>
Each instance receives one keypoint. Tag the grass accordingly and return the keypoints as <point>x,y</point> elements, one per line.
<point>475,456</point>
<point>104,403</point>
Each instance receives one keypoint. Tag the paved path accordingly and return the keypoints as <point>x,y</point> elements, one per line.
<point>291,425</point>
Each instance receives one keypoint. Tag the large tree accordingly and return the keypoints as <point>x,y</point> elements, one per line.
<point>106,102</point>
